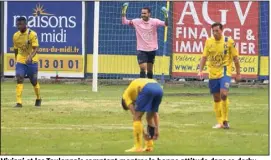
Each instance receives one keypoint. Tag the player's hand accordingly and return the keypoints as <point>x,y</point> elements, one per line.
<point>165,12</point>
<point>29,59</point>
<point>124,8</point>
<point>200,74</point>
<point>156,133</point>
<point>238,78</point>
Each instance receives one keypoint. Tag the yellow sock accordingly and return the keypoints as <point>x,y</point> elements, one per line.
<point>37,90</point>
<point>138,133</point>
<point>217,109</point>
<point>19,90</point>
<point>149,143</point>
<point>225,110</point>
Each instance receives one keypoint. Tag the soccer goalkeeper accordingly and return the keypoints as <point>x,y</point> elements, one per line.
<point>146,34</point>
<point>143,95</point>
<point>26,46</point>
<point>221,53</point>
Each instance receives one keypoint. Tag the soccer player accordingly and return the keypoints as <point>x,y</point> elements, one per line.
<point>220,52</point>
<point>143,95</point>
<point>26,46</point>
<point>146,34</point>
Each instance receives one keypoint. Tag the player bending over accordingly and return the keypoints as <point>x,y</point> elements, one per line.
<point>26,46</point>
<point>143,95</point>
<point>146,35</point>
<point>220,52</point>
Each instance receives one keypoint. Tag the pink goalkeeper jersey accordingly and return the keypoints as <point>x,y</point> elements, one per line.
<point>146,32</point>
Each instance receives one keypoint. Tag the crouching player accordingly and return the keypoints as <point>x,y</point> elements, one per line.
<point>143,95</point>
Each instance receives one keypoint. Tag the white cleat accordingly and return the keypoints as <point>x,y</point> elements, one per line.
<point>218,126</point>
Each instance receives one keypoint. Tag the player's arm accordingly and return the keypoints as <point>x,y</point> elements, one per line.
<point>202,63</point>
<point>15,48</point>
<point>203,59</point>
<point>161,23</point>
<point>127,100</point>
<point>34,52</point>
<point>132,108</point>
<point>123,13</point>
<point>234,53</point>
<point>156,123</point>
<point>35,46</point>
<point>16,53</point>
<point>237,66</point>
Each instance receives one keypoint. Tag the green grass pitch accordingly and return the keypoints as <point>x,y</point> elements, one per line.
<point>73,120</point>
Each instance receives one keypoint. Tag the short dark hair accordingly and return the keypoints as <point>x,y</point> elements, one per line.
<point>124,105</point>
<point>217,24</point>
<point>21,19</point>
<point>147,8</point>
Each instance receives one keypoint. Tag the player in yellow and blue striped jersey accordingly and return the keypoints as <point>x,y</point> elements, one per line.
<point>220,51</point>
<point>26,46</point>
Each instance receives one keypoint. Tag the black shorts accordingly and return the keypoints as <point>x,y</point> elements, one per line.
<point>146,57</point>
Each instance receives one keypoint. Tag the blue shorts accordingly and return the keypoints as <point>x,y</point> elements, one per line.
<point>146,57</point>
<point>31,70</point>
<point>149,98</point>
<point>222,83</point>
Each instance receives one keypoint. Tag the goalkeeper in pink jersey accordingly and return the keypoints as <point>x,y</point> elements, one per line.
<point>146,35</point>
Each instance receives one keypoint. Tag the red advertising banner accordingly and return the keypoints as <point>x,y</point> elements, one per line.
<point>192,26</point>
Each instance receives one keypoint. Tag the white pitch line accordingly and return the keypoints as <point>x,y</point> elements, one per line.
<point>104,125</point>
<point>119,127</point>
<point>81,127</point>
<point>248,134</point>
<point>65,128</point>
<point>229,133</point>
<point>126,128</point>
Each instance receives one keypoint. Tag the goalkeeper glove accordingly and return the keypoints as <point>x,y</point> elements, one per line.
<point>124,8</point>
<point>165,12</point>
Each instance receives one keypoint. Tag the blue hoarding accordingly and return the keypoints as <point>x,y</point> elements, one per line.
<point>264,40</point>
<point>264,28</point>
<point>58,25</point>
